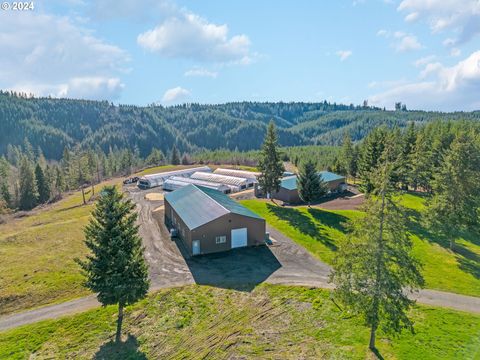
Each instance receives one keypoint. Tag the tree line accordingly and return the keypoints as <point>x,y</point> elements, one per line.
<point>53,124</point>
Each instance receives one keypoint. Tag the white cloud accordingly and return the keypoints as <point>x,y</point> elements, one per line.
<point>383,33</point>
<point>200,72</point>
<point>459,16</point>
<point>424,60</point>
<point>406,42</point>
<point>455,52</point>
<point>344,54</point>
<point>412,17</point>
<point>441,88</point>
<point>50,55</point>
<point>187,35</point>
<point>401,41</point>
<point>175,95</point>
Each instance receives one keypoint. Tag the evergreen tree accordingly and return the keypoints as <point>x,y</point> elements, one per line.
<point>175,158</point>
<point>4,182</point>
<point>455,205</point>
<point>115,270</point>
<point>155,158</point>
<point>374,264</point>
<point>59,182</point>
<point>28,192</point>
<point>270,164</point>
<point>347,156</point>
<point>408,144</point>
<point>185,160</point>
<point>310,184</point>
<point>372,148</point>
<point>43,186</point>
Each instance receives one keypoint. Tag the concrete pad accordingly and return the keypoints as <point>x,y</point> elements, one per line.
<point>154,197</point>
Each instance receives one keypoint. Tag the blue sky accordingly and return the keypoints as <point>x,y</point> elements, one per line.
<point>425,53</point>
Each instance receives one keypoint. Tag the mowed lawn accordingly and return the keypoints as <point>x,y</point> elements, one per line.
<point>271,322</point>
<point>320,231</point>
<point>37,255</point>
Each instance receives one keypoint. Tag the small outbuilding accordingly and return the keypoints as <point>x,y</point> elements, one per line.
<point>208,221</point>
<point>288,191</point>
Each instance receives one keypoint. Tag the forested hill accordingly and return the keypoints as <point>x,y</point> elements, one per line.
<point>52,124</point>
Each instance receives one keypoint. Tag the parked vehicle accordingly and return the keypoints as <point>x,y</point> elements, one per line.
<point>131,180</point>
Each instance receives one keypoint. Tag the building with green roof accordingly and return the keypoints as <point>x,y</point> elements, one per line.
<point>288,187</point>
<point>208,221</point>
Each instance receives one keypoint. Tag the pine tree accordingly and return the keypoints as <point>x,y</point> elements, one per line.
<point>43,186</point>
<point>4,182</point>
<point>59,182</point>
<point>175,158</point>
<point>115,270</point>
<point>372,148</point>
<point>374,265</point>
<point>155,158</point>
<point>185,160</point>
<point>310,184</point>
<point>270,164</point>
<point>347,156</point>
<point>456,187</point>
<point>28,192</point>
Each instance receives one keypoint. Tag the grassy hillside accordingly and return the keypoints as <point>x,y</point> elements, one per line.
<point>272,322</point>
<point>37,255</point>
<point>319,231</point>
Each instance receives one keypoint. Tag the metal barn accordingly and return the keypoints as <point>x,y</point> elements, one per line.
<point>154,180</point>
<point>208,221</point>
<point>235,183</point>
<point>176,182</point>
<point>249,175</point>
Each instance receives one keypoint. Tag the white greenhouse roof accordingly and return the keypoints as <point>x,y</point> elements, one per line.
<point>223,179</point>
<point>186,180</point>
<point>237,173</point>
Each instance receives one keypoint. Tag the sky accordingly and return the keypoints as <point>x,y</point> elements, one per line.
<point>424,53</point>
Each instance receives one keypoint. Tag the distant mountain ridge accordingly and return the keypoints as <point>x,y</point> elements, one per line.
<point>53,124</point>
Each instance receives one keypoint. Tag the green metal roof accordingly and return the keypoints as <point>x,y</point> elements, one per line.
<point>198,205</point>
<point>290,182</point>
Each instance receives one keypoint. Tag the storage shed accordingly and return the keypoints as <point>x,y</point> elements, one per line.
<point>177,182</point>
<point>250,176</point>
<point>154,180</point>
<point>288,187</point>
<point>208,221</point>
<point>235,183</point>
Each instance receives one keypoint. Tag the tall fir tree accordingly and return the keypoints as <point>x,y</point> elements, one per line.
<point>175,157</point>
<point>347,156</point>
<point>28,192</point>
<point>270,164</point>
<point>455,205</point>
<point>43,186</point>
<point>371,150</point>
<point>4,182</point>
<point>374,265</point>
<point>311,186</point>
<point>115,269</point>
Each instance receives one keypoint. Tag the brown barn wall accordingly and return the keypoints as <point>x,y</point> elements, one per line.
<point>223,226</point>
<point>184,232</point>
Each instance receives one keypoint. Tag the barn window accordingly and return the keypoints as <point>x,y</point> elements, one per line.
<point>221,239</point>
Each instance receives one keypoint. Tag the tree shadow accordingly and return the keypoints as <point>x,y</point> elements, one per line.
<point>377,354</point>
<point>468,260</point>
<point>125,350</point>
<point>305,225</point>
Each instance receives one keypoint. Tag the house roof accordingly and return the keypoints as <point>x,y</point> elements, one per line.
<point>290,182</point>
<point>198,205</point>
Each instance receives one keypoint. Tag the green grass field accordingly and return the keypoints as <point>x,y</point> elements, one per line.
<point>37,254</point>
<point>272,322</point>
<point>319,231</point>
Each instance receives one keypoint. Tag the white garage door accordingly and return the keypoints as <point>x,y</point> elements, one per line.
<point>239,237</point>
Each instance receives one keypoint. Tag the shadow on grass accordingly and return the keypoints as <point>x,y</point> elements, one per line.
<point>377,354</point>
<point>468,261</point>
<point>125,350</point>
<point>301,222</point>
